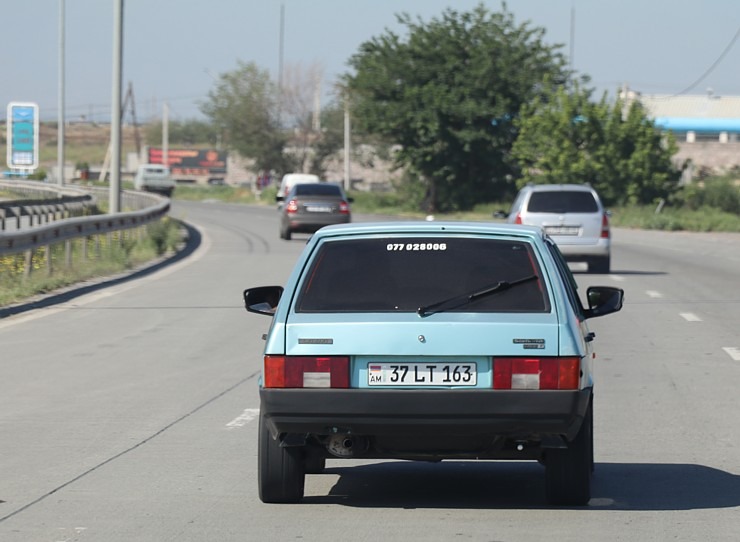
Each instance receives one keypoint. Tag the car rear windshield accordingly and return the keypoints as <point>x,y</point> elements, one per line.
<point>562,202</point>
<point>317,190</point>
<point>402,274</point>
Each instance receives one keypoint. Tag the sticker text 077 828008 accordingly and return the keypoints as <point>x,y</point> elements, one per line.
<point>396,247</point>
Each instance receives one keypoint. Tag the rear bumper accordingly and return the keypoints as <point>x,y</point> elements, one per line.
<point>573,250</point>
<point>529,415</point>
<point>310,224</point>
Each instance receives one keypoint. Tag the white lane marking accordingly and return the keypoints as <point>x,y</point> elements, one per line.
<point>240,421</point>
<point>733,352</point>
<point>618,278</point>
<point>653,294</point>
<point>690,317</point>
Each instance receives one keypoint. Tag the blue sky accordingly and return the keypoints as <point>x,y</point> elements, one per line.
<point>174,48</point>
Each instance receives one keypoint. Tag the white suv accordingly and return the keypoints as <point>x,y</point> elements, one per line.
<point>573,216</point>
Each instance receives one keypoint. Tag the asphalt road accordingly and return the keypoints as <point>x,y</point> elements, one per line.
<point>129,414</point>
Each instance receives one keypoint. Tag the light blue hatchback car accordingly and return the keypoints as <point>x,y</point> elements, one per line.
<point>428,341</point>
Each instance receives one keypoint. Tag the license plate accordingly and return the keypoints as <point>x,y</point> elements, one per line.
<point>318,209</point>
<point>422,374</point>
<point>561,230</point>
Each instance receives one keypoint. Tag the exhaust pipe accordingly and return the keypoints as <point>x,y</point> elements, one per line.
<point>346,445</point>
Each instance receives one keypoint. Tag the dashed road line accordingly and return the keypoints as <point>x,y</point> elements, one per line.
<point>618,278</point>
<point>690,317</point>
<point>653,294</point>
<point>733,352</point>
<point>247,416</point>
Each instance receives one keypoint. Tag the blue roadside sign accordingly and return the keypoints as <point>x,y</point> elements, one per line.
<point>23,136</point>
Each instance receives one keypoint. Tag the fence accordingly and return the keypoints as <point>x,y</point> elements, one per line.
<point>56,206</point>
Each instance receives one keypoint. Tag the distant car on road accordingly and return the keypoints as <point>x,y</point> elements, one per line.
<point>154,178</point>
<point>573,215</point>
<point>310,206</point>
<point>428,341</point>
<point>287,183</point>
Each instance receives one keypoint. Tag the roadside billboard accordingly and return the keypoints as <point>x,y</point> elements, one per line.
<point>191,162</point>
<point>23,136</point>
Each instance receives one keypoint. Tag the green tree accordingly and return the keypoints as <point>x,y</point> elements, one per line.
<point>329,140</point>
<point>244,108</point>
<point>448,94</point>
<point>567,137</point>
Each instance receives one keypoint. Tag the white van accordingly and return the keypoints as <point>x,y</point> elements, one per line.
<point>154,178</point>
<point>289,181</point>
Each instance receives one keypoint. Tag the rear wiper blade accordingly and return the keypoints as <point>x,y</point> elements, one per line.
<point>460,300</point>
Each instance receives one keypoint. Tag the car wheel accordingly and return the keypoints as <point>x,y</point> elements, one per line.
<point>281,473</point>
<point>285,233</point>
<point>600,265</point>
<point>568,470</point>
<point>314,462</point>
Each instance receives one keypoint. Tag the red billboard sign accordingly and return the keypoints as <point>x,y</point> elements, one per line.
<point>194,162</point>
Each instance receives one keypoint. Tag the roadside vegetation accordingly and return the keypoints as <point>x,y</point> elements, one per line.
<point>103,256</point>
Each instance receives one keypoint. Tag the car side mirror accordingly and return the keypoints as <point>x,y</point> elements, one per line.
<point>263,299</point>
<point>279,198</point>
<point>500,214</point>
<point>603,300</point>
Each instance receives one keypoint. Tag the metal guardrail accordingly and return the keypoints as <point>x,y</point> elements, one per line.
<point>147,208</point>
<point>44,210</point>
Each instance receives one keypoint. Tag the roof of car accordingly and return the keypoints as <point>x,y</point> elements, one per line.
<point>303,189</point>
<point>558,187</point>
<point>415,227</point>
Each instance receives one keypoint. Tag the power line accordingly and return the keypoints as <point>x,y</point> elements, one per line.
<point>714,65</point>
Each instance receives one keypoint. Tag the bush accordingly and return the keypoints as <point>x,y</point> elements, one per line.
<point>674,218</point>
<point>719,193</point>
<point>723,195</point>
<point>38,175</point>
<point>164,235</point>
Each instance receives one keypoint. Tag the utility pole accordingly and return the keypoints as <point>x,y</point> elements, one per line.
<point>114,200</point>
<point>346,143</point>
<point>166,135</point>
<point>571,60</point>
<point>280,65</point>
<point>316,120</point>
<point>132,101</point>
<point>280,50</point>
<point>60,113</point>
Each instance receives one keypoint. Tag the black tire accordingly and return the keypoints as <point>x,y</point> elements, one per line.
<point>600,265</point>
<point>285,233</point>
<point>568,471</point>
<point>281,473</point>
<point>314,462</point>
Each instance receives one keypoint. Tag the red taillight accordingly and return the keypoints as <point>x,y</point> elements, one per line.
<point>518,219</point>
<point>536,373</point>
<point>292,206</point>
<point>343,208</point>
<point>605,226</point>
<point>306,372</point>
